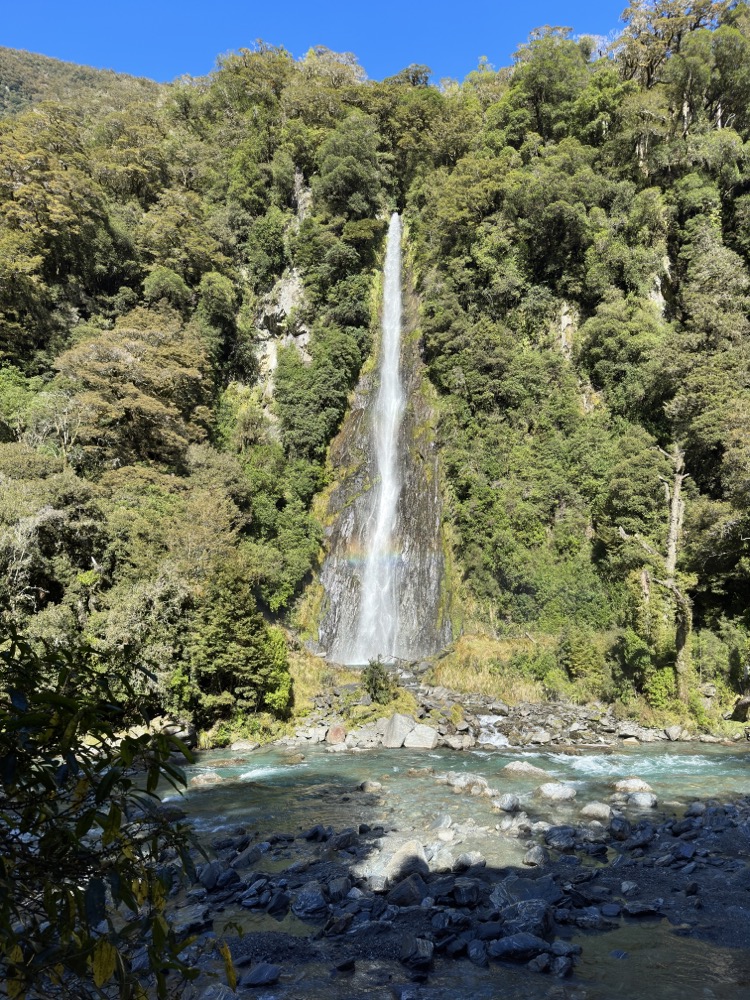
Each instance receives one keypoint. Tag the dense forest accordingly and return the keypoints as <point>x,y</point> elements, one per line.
<point>578,225</point>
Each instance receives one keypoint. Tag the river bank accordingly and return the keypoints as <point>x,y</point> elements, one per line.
<point>408,872</point>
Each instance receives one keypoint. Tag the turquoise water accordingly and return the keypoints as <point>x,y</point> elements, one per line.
<point>271,790</point>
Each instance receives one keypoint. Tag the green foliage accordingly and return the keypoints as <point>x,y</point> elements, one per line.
<point>82,889</point>
<point>578,230</point>
<point>378,682</point>
<point>163,283</point>
<point>238,666</point>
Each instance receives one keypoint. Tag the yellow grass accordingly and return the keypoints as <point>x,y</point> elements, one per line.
<point>477,664</point>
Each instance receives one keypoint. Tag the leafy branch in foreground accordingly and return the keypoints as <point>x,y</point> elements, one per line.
<point>88,854</point>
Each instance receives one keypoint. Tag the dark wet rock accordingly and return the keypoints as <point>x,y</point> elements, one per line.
<point>263,974</point>
<point>466,892</point>
<point>309,902</point>
<point>318,834</point>
<point>408,892</point>
<point>683,851</point>
<point>347,838</point>
<point>561,838</point>
<point>416,952</point>
<point>531,916</point>
<point>638,909</point>
<point>521,947</point>
<point>345,965</point>
<point>470,859</point>
<point>620,828</point>
<point>611,910</point>
<point>192,920</point>
<point>278,904</point>
<point>339,888</point>
<point>476,952</point>
<point>338,925</point>
<point>515,889</point>
<point>209,874</point>
<point>249,856</point>
<point>541,963</point>
<point>227,878</point>
<point>565,949</point>
<point>641,837</point>
<point>561,967</point>
<point>536,857</point>
<point>490,930</point>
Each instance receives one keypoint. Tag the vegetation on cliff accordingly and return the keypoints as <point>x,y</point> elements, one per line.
<point>578,224</point>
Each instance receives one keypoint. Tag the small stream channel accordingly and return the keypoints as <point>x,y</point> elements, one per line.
<point>273,790</point>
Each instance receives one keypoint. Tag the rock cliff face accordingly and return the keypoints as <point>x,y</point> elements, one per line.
<point>419,543</point>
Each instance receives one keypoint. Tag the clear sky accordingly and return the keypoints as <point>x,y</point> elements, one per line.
<point>163,39</point>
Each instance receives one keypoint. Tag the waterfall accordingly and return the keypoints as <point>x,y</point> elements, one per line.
<point>383,576</point>
<point>377,628</point>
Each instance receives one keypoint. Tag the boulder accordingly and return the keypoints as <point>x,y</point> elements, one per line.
<point>673,733</point>
<point>519,947</point>
<point>408,860</point>
<point>628,785</point>
<point>619,828</point>
<point>205,778</point>
<point>642,800</point>
<point>421,737</point>
<point>522,769</point>
<point>741,710</point>
<point>470,859</point>
<point>244,746</point>
<point>416,953</point>
<point>397,729</point>
<point>370,786</point>
<point>309,902</point>
<point>507,803</point>
<point>336,734</point>
<point>561,838</point>
<point>408,892</point>
<point>536,857</point>
<point>209,875</point>
<point>556,791</point>
<point>263,974</point>
<point>460,741</point>
<point>597,810</point>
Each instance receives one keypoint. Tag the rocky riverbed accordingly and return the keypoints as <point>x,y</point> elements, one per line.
<point>426,878</point>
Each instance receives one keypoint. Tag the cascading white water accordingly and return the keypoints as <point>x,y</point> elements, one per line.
<point>377,627</point>
<point>383,577</point>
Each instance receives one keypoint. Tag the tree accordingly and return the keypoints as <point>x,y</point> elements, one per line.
<point>238,665</point>
<point>82,834</point>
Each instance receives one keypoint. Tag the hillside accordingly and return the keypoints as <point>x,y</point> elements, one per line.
<point>188,294</point>
<point>27,79</point>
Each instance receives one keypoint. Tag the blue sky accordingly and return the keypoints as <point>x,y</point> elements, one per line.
<point>163,39</point>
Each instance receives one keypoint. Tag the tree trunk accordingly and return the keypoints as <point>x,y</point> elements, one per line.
<point>676,511</point>
<point>683,617</point>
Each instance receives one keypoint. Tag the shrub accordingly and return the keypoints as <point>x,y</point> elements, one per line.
<point>81,831</point>
<point>377,682</point>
